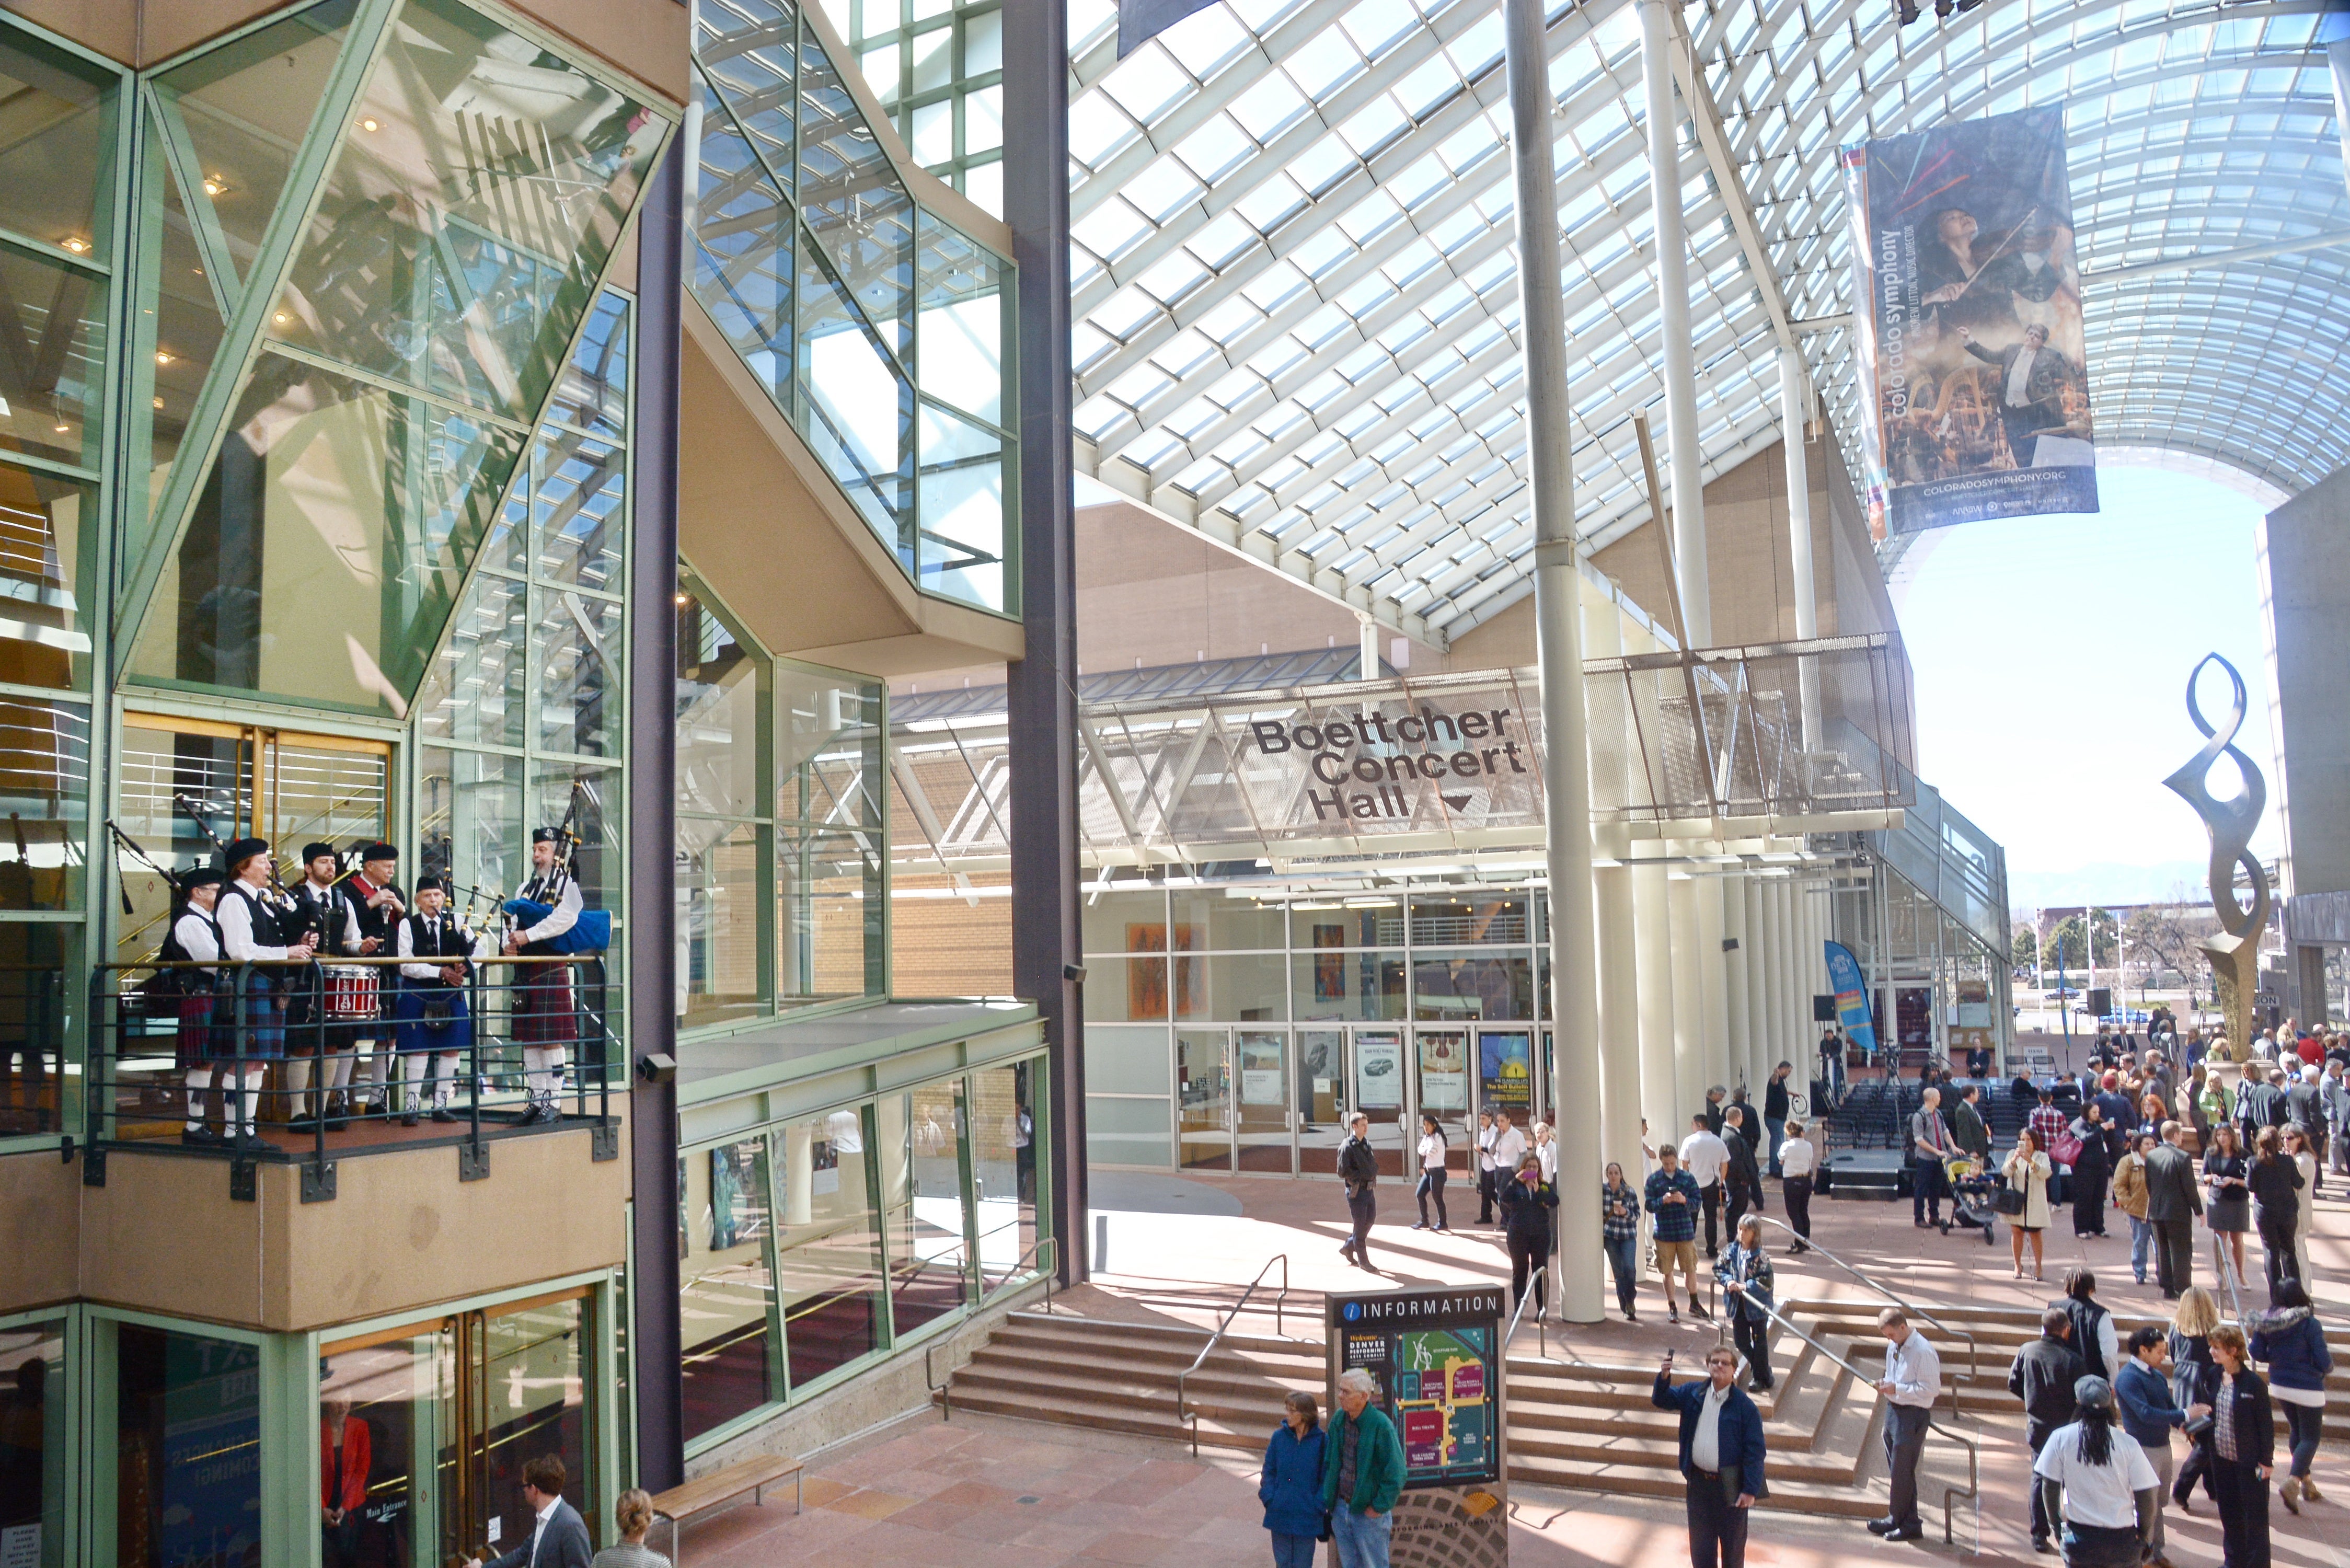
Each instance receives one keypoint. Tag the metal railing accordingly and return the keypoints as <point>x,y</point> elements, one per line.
<point>1971,1491</point>
<point>944,1391</point>
<point>403,1050</point>
<point>32,1027</point>
<point>1184,1414</point>
<point>1973,1369</point>
<point>1535,1292</point>
<point>2224,1269</point>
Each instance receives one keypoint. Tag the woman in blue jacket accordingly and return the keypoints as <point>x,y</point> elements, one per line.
<point>1290,1488</point>
<point>2289,1338</point>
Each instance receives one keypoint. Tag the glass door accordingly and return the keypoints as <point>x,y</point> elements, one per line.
<point>424,1431</point>
<point>1265,1118</point>
<point>1441,1058</point>
<point>1378,1073</point>
<point>1320,1100</point>
<point>1203,1091</point>
<point>1504,1063</point>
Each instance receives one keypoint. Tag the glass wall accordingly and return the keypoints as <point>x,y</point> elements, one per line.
<point>187,1446</point>
<point>33,1447</point>
<point>63,249</point>
<point>876,327</point>
<point>1234,1028</point>
<point>423,316</point>
<point>813,1245</point>
<point>782,831</point>
<point>938,69</point>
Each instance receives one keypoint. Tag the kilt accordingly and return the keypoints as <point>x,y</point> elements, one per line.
<point>543,1012</point>
<point>194,1042</point>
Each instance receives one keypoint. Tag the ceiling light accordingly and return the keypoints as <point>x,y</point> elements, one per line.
<point>281,318</point>
<point>370,123</point>
<point>75,243</point>
<point>159,403</point>
<point>62,427</point>
<point>162,356</point>
<point>215,186</point>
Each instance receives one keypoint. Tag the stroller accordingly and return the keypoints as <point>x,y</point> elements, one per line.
<point>1974,1195</point>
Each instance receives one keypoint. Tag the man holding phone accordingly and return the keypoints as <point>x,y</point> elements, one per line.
<point>1722,1456</point>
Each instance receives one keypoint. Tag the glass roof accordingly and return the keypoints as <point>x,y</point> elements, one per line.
<point>1295,290</point>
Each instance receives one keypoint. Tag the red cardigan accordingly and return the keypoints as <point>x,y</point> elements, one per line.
<point>348,1489</point>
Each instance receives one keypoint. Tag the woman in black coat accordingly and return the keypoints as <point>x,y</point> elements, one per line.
<point>2238,1446</point>
<point>2275,1181</point>
<point>2090,1173</point>
<point>1526,1200</point>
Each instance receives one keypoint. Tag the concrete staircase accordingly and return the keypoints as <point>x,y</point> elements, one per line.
<point>1572,1424</point>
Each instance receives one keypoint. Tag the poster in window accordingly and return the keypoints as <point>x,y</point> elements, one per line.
<point>1261,1070</point>
<point>1443,1071</point>
<point>1505,1070</point>
<point>1378,1073</point>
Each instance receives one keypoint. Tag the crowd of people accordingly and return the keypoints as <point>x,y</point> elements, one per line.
<point>2178,1135</point>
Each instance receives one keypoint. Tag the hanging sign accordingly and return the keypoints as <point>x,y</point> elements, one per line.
<point>1968,321</point>
<point>1851,997</point>
<point>1383,769</point>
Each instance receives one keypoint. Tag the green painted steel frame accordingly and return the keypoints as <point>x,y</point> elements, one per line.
<point>977,1295</point>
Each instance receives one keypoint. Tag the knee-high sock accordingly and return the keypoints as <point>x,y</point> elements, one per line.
<point>444,1074</point>
<point>200,1083</point>
<point>411,1073</point>
<point>377,1068</point>
<point>297,1083</point>
<point>550,1078</point>
<point>336,1074</point>
<point>252,1081</point>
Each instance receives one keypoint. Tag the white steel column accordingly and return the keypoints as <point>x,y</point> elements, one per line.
<point>1715,976</point>
<point>1794,412</point>
<point>1798,1005</point>
<point>1614,924</point>
<point>1735,964</point>
<point>1558,649</point>
<point>1775,975</point>
<point>1673,300</point>
<point>1758,967</point>
<point>1688,1003</point>
<point>1652,964</point>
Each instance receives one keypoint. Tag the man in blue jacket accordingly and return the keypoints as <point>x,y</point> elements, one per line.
<point>1362,1474</point>
<point>1722,1456</point>
<point>2149,1414</point>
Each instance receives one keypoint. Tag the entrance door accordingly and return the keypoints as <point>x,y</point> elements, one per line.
<point>1375,1059</point>
<point>1203,1088</point>
<point>181,777</point>
<point>1441,1059</point>
<point>1264,1103</point>
<point>424,1431</point>
<point>1320,1098</point>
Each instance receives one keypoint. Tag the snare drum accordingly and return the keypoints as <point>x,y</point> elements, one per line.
<point>351,993</point>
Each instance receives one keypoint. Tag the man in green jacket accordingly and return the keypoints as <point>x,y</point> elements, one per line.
<point>1362,1463</point>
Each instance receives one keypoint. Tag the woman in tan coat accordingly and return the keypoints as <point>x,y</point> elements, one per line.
<point>2129,1196</point>
<point>2027,1172</point>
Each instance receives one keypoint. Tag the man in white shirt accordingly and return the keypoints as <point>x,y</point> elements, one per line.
<point>433,1018</point>
<point>1912,1382</point>
<point>2095,1478</point>
<point>1509,1148</point>
<point>558,1536</point>
<point>258,926</point>
<point>1704,1155</point>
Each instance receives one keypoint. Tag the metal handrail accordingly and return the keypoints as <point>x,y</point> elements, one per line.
<point>2223,1267</point>
<point>1183,1411</point>
<point>1973,1491</point>
<point>945,1391</point>
<point>1973,1369</point>
<point>1534,1293</point>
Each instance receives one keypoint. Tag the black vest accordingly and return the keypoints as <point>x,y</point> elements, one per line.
<point>2086,1316</point>
<point>448,943</point>
<point>184,982</point>
<point>275,924</point>
<point>321,912</point>
<point>377,922</point>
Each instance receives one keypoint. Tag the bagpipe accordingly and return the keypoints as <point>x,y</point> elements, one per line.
<point>592,931</point>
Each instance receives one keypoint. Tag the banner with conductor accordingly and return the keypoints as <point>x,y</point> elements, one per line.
<point>1973,376</point>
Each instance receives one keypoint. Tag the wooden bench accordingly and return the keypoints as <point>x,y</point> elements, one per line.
<point>709,1493</point>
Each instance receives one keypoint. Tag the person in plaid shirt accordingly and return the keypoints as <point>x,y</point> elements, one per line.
<point>2048,1124</point>
<point>1619,1228</point>
<point>1673,1202</point>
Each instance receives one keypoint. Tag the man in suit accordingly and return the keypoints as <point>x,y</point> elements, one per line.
<point>1742,1179</point>
<point>1722,1456</point>
<point>2172,1202</point>
<point>2029,391</point>
<point>558,1536</point>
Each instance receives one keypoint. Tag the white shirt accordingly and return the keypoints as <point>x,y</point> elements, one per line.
<point>1914,1367</point>
<point>195,934</point>
<point>2019,378</point>
<point>1705,1443</point>
<point>235,917</point>
<point>1797,1157</point>
<point>1431,1151</point>
<point>1548,1154</point>
<point>561,918</point>
<point>1509,1148</point>
<point>1704,1155</point>
<point>1485,1147</point>
<point>2101,1495</point>
<point>538,1529</point>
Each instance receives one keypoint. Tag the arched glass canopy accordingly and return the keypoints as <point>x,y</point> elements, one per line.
<point>1296,290</point>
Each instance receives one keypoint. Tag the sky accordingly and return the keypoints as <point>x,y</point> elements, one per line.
<point>2052,657</point>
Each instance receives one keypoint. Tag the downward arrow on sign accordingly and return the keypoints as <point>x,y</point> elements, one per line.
<point>1457,801</point>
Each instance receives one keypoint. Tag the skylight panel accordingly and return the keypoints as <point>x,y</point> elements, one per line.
<point>1145,84</point>
<point>1322,162</point>
<point>1214,150</point>
<point>1329,58</point>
